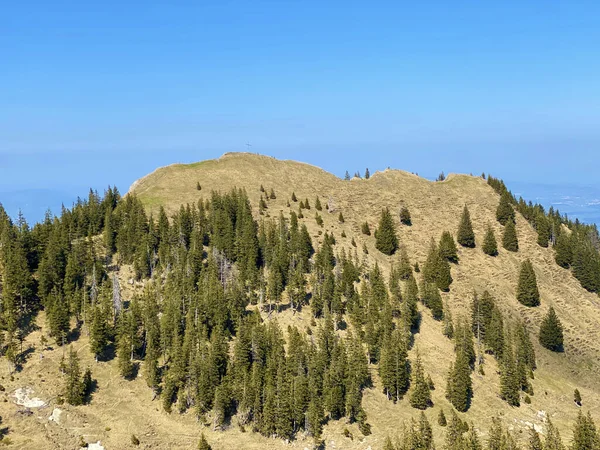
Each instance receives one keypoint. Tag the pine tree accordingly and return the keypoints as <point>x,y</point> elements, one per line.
<point>509,379</point>
<point>448,323</point>
<point>405,216</point>
<point>385,235</point>
<point>341,218</point>
<point>527,290</point>
<point>542,225</point>
<point>509,238</point>
<point>490,247</point>
<point>318,205</point>
<point>577,397</point>
<point>585,436</point>
<point>420,395</point>
<point>447,248</point>
<point>203,444</point>
<point>564,250</point>
<point>551,332</point>
<point>459,388</point>
<point>393,366</point>
<point>366,229</point>
<point>74,389</point>
<point>465,235</point>
<point>442,422</point>
<point>553,440</point>
<point>534,443</point>
<point>505,212</point>
<point>367,174</point>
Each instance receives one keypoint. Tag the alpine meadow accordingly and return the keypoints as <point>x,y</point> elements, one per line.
<point>251,302</point>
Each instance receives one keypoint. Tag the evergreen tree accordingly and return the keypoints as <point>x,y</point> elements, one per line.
<point>534,443</point>
<point>74,389</point>
<point>442,422</point>
<point>527,290</point>
<point>465,235</point>
<point>459,389</point>
<point>203,443</point>
<point>393,366</point>
<point>564,250</point>
<point>553,440</point>
<point>490,247</point>
<point>447,247</point>
<point>341,218</point>
<point>542,225</point>
<point>385,235</point>
<point>366,229</point>
<point>405,216</point>
<point>367,174</point>
<point>510,385</point>
<point>420,395</point>
<point>505,212</point>
<point>585,436</point>
<point>577,397</point>
<point>509,238</point>
<point>551,332</point>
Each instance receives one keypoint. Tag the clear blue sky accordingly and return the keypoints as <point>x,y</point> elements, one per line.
<point>92,95</point>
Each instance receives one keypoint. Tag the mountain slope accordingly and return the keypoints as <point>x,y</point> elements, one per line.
<point>121,408</point>
<point>435,207</point>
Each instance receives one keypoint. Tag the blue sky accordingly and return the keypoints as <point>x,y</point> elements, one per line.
<point>92,95</point>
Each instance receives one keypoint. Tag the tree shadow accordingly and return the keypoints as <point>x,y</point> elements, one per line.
<point>109,353</point>
<point>23,357</point>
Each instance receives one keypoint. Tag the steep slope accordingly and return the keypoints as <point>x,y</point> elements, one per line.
<point>121,408</point>
<point>435,207</point>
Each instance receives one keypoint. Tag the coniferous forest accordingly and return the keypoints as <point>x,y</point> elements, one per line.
<point>204,335</point>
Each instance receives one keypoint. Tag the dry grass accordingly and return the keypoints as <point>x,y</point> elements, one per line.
<point>126,407</point>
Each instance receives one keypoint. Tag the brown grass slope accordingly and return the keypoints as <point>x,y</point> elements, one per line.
<point>127,407</point>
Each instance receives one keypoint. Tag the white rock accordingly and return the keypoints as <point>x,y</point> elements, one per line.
<point>55,416</point>
<point>92,446</point>
<point>23,398</point>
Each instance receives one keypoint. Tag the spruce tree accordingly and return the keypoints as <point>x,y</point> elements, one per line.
<point>577,397</point>
<point>534,443</point>
<point>553,440</point>
<point>420,395</point>
<point>542,225</point>
<point>551,332</point>
<point>447,247</point>
<point>459,388</point>
<point>442,422</point>
<point>203,443</point>
<point>366,229</point>
<point>585,436</point>
<point>509,238</point>
<point>564,250</point>
<point>490,247</point>
<point>465,235</point>
<point>405,216</point>
<point>509,378</point>
<point>367,174</point>
<point>527,290</point>
<point>74,389</point>
<point>505,212</point>
<point>393,366</point>
<point>386,240</point>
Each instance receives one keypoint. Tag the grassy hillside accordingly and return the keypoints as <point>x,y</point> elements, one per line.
<point>120,408</point>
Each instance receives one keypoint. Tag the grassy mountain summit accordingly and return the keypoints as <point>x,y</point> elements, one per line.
<point>269,311</point>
